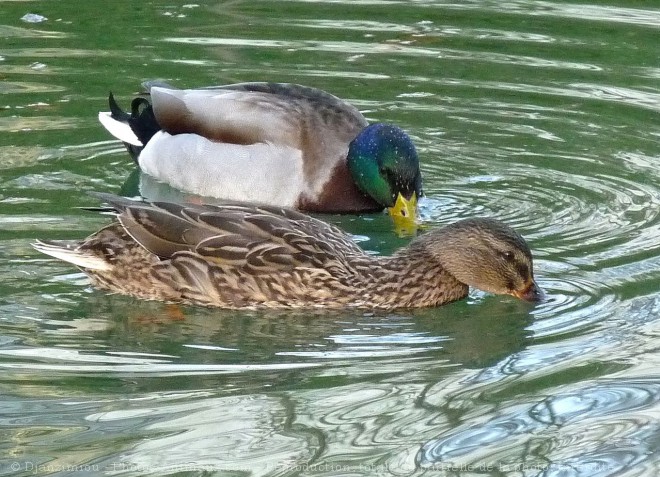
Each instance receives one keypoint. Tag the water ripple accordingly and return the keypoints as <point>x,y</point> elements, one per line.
<point>582,12</point>
<point>615,410</point>
<point>77,362</point>
<point>539,113</point>
<point>605,398</point>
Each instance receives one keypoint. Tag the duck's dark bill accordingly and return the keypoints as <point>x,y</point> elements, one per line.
<point>531,293</point>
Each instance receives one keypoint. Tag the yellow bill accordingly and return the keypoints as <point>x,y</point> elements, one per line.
<point>404,214</point>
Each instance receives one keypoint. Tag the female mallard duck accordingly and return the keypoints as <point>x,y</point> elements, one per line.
<point>271,143</point>
<point>249,256</point>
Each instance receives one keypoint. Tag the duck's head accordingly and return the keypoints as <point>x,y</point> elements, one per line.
<point>486,254</point>
<point>383,163</point>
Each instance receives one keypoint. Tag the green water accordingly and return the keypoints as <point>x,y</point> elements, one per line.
<point>544,114</point>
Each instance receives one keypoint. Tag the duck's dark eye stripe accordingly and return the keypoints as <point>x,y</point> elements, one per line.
<point>523,270</point>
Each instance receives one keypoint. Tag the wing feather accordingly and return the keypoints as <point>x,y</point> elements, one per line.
<point>258,238</point>
<point>246,113</point>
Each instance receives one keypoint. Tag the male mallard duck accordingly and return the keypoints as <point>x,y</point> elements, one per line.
<point>271,143</point>
<point>249,256</point>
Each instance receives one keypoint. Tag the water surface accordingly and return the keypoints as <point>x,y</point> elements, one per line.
<point>543,114</point>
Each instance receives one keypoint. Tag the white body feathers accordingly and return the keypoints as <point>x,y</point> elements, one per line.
<point>225,171</point>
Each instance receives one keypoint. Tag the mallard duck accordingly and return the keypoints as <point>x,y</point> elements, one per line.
<point>272,143</point>
<point>250,256</point>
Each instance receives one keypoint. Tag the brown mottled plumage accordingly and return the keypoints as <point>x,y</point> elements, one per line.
<point>247,256</point>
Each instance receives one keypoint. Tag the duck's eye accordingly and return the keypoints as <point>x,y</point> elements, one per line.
<point>508,256</point>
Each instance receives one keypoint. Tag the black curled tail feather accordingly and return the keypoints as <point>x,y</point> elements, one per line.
<point>141,120</point>
<point>115,111</point>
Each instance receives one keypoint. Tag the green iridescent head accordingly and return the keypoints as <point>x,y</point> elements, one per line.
<point>383,163</point>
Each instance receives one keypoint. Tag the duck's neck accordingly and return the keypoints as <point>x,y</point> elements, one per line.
<point>339,194</point>
<point>409,278</point>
